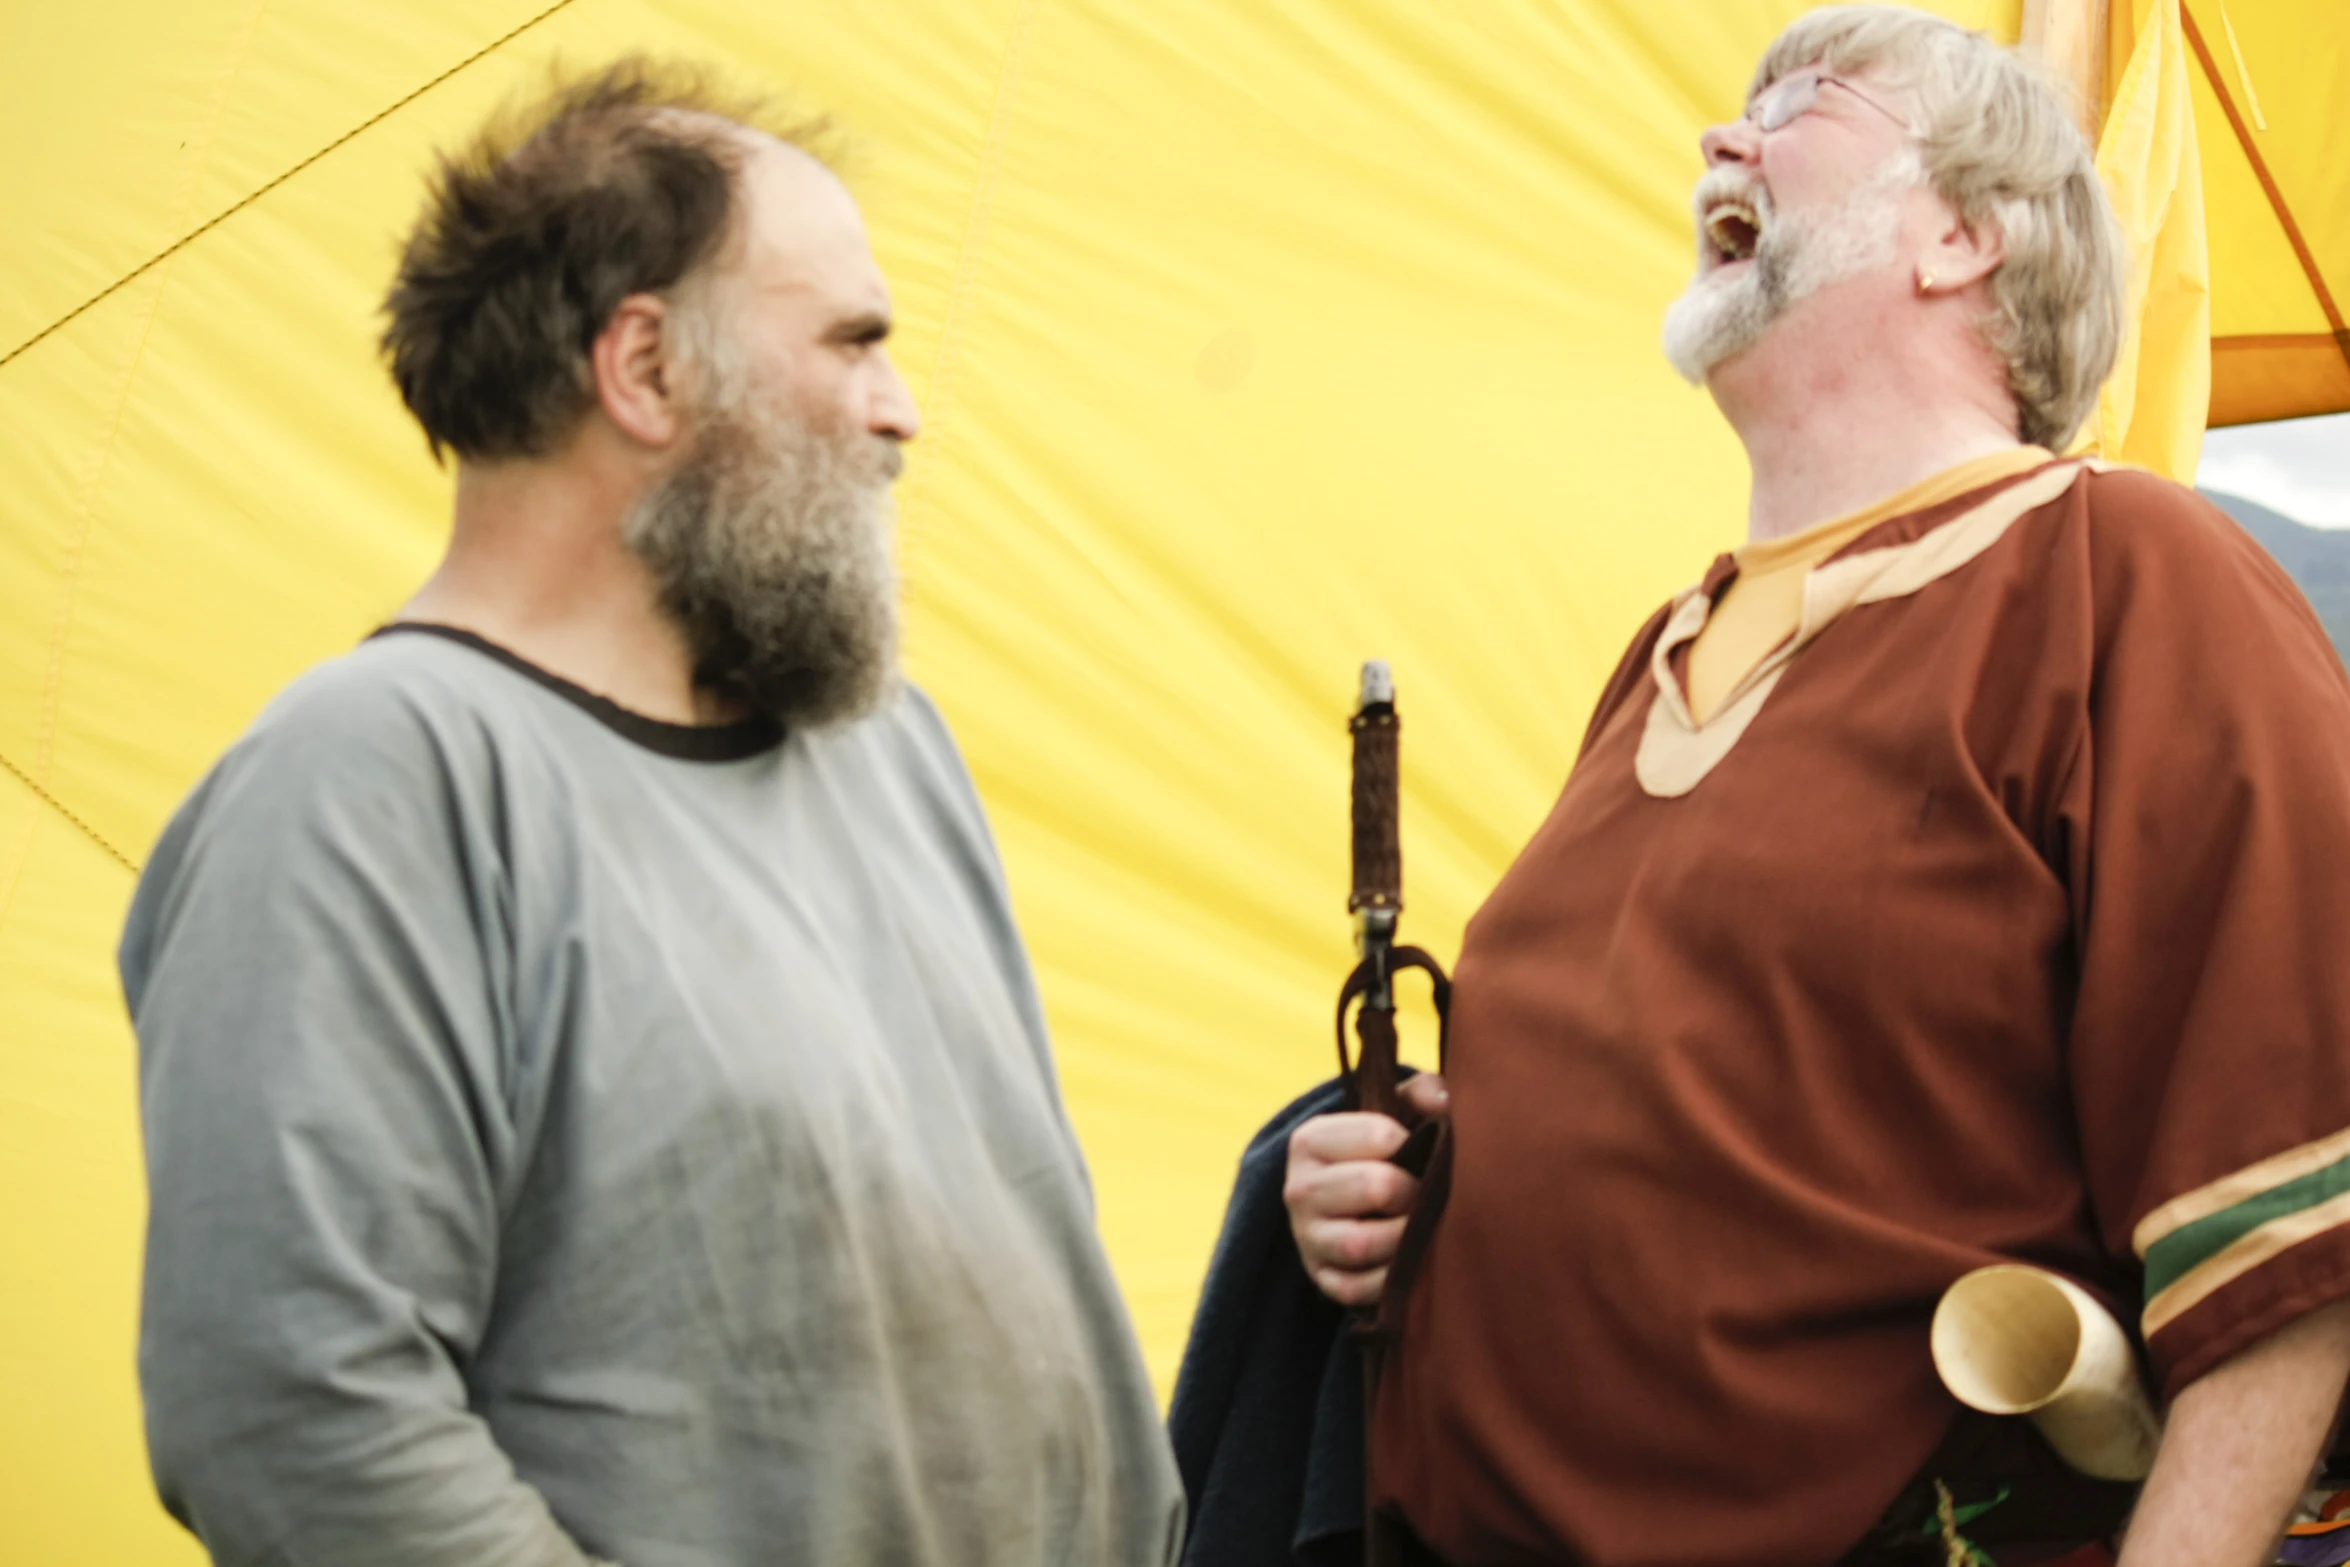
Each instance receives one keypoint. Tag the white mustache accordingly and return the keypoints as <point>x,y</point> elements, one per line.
<point>1729,183</point>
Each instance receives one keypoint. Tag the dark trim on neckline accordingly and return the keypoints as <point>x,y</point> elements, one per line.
<point>687,742</point>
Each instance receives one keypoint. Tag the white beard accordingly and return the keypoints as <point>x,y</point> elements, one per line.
<point>1724,312</point>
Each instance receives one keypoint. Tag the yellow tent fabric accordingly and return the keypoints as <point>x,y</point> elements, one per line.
<point>2152,409</point>
<point>2270,80</point>
<point>2238,217</point>
<point>1253,339</point>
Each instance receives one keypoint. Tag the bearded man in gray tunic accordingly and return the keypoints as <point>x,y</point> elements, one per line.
<point>597,1106</point>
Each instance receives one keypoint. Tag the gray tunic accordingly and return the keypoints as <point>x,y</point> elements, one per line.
<point>570,1133</point>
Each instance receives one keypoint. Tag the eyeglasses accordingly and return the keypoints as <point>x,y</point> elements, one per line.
<point>1791,96</point>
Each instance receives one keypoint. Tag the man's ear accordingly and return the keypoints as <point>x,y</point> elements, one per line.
<point>634,363</point>
<point>1962,253</point>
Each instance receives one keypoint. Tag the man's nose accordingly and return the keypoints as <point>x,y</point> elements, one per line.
<point>1736,142</point>
<point>892,412</point>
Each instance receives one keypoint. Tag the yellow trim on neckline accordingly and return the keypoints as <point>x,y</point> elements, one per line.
<point>1678,747</point>
<point>1825,538</point>
<point>1759,610</point>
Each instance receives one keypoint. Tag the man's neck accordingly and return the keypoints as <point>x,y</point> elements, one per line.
<point>1833,423</point>
<point>536,564</point>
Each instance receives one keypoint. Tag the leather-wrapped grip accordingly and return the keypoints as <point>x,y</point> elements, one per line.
<point>1378,845</point>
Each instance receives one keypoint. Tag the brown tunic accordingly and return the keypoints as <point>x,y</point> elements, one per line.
<point>2003,914</point>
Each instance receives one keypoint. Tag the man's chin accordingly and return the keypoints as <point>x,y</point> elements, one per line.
<point>1724,313</point>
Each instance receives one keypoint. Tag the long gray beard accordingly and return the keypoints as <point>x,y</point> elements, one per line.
<point>1720,316</point>
<point>770,547</point>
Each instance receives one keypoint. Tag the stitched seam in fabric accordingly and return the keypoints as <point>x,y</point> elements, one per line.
<point>938,394</point>
<point>66,811</point>
<point>213,222</point>
<point>69,585</point>
<point>53,682</point>
<point>2252,342</point>
<point>85,509</point>
<point>2268,184</point>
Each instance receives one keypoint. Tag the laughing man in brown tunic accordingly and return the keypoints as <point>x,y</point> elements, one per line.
<point>1959,873</point>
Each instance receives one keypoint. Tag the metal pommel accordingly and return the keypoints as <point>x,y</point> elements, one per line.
<point>1378,685</point>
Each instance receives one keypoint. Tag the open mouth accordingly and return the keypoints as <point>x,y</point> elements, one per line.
<point>1732,229</point>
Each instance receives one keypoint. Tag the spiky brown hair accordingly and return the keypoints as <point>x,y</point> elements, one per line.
<point>622,182</point>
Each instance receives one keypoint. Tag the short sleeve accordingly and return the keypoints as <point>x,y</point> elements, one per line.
<point>2207,821</point>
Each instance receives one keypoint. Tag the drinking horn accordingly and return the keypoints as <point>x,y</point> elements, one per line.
<point>2015,1340</point>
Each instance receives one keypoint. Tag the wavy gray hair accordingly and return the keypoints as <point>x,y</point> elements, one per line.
<point>1999,143</point>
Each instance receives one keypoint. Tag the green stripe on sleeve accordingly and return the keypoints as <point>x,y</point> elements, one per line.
<point>2191,1245</point>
